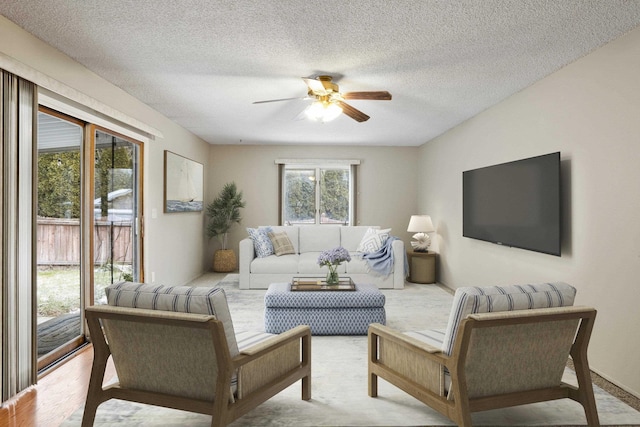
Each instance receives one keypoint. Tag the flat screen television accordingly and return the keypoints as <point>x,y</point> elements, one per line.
<point>514,204</point>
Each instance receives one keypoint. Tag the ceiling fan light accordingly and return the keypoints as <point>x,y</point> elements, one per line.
<point>323,111</point>
<point>331,112</point>
<point>315,111</point>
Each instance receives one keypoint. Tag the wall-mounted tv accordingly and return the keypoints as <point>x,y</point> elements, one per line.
<point>515,204</point>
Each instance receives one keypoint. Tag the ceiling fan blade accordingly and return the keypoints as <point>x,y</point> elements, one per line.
<point>301,116</point>
<point>355,114</point>
<point>315,86</point>
<point>278,100</point>
<point>382,95</point>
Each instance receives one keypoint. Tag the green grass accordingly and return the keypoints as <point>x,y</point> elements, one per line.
<point>59,287</point>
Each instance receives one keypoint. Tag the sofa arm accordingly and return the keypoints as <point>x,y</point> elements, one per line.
<point>400,269</point>
<point>247,254</point>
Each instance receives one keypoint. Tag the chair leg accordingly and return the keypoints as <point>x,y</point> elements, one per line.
<point>465,420</point>
<point>373,385</point>
<point>373,357</point>
<point>216,421</point>
<point>306,361</point>
<point>372,378</point>
<point>461,401</point>
<point>95,393</point>
<point>89,415</point>
<point>585,386</point>
<point>306,387</point>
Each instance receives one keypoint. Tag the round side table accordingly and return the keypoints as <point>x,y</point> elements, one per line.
<point>422,266</point>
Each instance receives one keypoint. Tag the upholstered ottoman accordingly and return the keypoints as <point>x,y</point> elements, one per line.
<point>326,312</point>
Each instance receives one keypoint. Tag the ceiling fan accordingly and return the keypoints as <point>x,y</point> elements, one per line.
<point>329,102</point>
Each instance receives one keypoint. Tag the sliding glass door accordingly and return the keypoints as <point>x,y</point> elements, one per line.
<point>116,211</point>
<point>88,225</point>
<point>58,230</point>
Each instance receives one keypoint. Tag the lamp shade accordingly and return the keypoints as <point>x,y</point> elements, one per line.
<point>420,224</point>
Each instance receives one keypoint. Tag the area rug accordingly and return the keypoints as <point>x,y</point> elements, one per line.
<point>339,380</point>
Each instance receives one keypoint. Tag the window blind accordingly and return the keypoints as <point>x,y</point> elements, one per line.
<point>18,107</point>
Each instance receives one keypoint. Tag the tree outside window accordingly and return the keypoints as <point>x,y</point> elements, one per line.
<point>334,196</point>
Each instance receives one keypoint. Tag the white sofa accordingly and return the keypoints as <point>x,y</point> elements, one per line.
<point>308,242</point>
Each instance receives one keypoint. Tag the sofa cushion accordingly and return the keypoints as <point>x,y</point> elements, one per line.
<point>185,299</point>
<point>468,300</point>
<point>261,241</point>
<point>350,237</point>
<point>285,264</point>
<point>373,240</point>
<point>281,243</point>
<point>357,265</point>
<point>319,238</point>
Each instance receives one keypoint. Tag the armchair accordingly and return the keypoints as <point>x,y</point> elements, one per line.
<point>184,361</point>
<point>497,359</point>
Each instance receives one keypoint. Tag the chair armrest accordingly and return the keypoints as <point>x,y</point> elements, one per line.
<point>272,343</point>
<point>282,356</point>
<point>395,336</point>
<point>535,312</point>
<point>398,357</point>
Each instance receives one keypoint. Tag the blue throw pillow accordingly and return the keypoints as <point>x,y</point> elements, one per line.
<point>261,241</point>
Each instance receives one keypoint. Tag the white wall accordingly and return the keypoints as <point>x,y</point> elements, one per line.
<point>590,112</point>
<point>174,243</point>
<point>387,185</point>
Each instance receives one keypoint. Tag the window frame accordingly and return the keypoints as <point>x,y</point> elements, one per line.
<point>318,165</point>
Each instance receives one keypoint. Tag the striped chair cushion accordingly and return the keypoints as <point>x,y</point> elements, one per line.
<point>247,339</point>
<point>185,299</point>
<point>432,337</point>
<point>468,300</point>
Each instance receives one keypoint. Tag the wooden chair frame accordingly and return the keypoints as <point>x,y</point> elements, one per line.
<point>224,408</point>
<point>429,389</point>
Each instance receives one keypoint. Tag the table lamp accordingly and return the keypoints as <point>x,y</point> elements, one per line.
<point>421,225</point>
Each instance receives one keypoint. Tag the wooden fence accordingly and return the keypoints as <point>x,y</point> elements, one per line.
<point>59,242</point>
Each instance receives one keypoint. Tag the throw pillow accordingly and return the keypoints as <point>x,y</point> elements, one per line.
<point>373,240</point>
<point>281,243</point>
<point>261,241</point>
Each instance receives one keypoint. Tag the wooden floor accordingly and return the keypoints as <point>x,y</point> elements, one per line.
<point>57,395</point>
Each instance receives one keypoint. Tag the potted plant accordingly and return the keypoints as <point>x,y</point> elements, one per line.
<point>223,212</point>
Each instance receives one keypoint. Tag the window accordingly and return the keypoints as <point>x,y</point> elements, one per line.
<point>317,193</point>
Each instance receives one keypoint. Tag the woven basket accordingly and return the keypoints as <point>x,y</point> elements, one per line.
<point>224,261</point>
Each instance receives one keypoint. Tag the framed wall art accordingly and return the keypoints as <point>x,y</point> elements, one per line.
<point>183,184</point>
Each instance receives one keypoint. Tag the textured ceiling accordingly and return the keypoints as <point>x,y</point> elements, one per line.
<point>203,63</point>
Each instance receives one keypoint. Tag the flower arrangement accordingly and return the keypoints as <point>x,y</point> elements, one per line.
<point>332,258</point>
